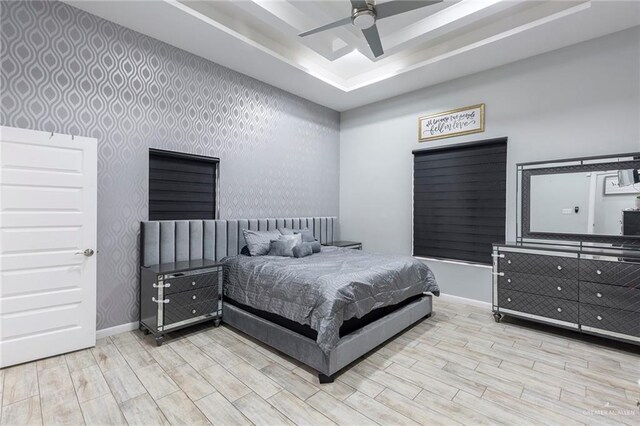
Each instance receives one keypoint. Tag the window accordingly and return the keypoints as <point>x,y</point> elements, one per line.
<point>459,200</point>
<point>182,186</point>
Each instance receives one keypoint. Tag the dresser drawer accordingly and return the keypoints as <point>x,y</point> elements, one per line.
<point>183,298</point>
<point>535,264</point>
<point>539,284</point>
<point>616,320</point>
<point>627,298</point>
<point>191,282</point>
<point>544,306</point>
<point>614,273</point>
<point>176,314</point>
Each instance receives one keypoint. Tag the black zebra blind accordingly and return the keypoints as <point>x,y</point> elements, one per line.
<point>459,200</point>
<point>181,186</point>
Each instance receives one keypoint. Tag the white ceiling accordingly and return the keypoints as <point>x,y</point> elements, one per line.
<point>336,68</point>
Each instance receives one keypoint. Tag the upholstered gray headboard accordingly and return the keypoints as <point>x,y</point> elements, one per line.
<point>179,240</point>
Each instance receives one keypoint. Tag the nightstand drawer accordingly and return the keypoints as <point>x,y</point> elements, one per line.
<point>550,307</point>
<point>535,264</point>
<point>539,284</point>
<point>178,284</point>
<point>183,298</point>
<point>614,273</point>
<point>627,298</point>
<point>187,312</point>
<point>616,320</point>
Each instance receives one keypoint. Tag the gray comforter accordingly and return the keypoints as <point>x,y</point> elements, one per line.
<point>327,288</point>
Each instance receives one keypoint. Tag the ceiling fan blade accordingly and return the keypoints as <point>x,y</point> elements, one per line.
<point>359,4</point>
<point>335,24</point>
<point>373,38</point>
<point>396,7</point>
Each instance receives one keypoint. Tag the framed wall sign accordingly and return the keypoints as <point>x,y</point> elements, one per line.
<point>457,122</point>
<point>611,187</point>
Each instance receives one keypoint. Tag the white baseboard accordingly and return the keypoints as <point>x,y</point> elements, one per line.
<point>458,299</point>
<point>122,328</point>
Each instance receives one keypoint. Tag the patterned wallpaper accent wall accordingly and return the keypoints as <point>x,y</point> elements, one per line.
<point>66,71</point>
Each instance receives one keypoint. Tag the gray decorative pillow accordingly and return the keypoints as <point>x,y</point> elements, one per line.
<point>307,235</point>
<point>315,246</point>
<point>284,245</point>
<point>302,250</point>
<point>259,242</point>
<point>285,231</point>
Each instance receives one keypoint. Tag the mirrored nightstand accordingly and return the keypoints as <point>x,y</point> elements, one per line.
<point>346,244</point>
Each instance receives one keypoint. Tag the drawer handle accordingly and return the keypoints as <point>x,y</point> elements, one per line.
<point>509,261</point>
<point>599,318</point>
<point>559,268</point>
<point>194,297</point>
<point>599,272</point>
<point>599,295</point>
<point>508,299</point>
<point>559,288</point>
<point>193,311</point>
<point>153,299</point>
<point>559,309</point>
<point>193,283</point>
<point>167,285</point>
<point>500,274</point>
<point>508,280</point>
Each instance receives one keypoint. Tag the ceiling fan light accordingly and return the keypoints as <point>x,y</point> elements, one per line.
<point>364,19</point>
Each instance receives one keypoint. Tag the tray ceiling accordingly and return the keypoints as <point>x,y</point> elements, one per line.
<point>336,68</point>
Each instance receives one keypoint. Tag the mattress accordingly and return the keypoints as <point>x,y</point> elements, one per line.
<point>324,290</point>
<point>347,327</point>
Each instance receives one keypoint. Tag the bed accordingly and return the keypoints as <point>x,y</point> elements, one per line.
<point>325,310</point>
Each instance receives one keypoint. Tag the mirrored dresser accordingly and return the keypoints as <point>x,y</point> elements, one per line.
<point>572,264</point>
<point>588,289</point>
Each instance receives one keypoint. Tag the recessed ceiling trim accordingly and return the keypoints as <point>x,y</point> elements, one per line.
<point>542,21</point>
<point>440,19</point>
<point>252,43</point>
<point>249,39</point>
<point>451,14</point>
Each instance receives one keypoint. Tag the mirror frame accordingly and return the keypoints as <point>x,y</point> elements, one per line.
<point>575,165</point>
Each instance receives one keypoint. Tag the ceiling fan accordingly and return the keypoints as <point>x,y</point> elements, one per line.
<point>364,15</point>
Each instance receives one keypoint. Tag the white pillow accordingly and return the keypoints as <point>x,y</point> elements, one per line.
<point>297,239</point>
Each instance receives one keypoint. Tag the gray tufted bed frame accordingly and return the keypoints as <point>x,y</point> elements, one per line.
<point>172,241</point>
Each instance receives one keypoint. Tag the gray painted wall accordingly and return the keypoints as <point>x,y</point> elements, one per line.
<point>67,71</point>
<point>578,101</point>
<point>554,193</point>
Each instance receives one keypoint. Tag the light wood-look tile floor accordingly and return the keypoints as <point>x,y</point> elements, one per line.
<point>458,367</point>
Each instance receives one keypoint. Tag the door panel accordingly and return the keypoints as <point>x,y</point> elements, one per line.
<point>14,219</point>
<point>23,282</point>
<point>49,199</point>
<point>47,220</point>
<point>29,154</point>
<point>17,240</point>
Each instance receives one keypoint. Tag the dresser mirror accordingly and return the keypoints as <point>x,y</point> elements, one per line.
<point>585,200</point>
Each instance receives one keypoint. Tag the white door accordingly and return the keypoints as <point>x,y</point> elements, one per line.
<point>48,207</point>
